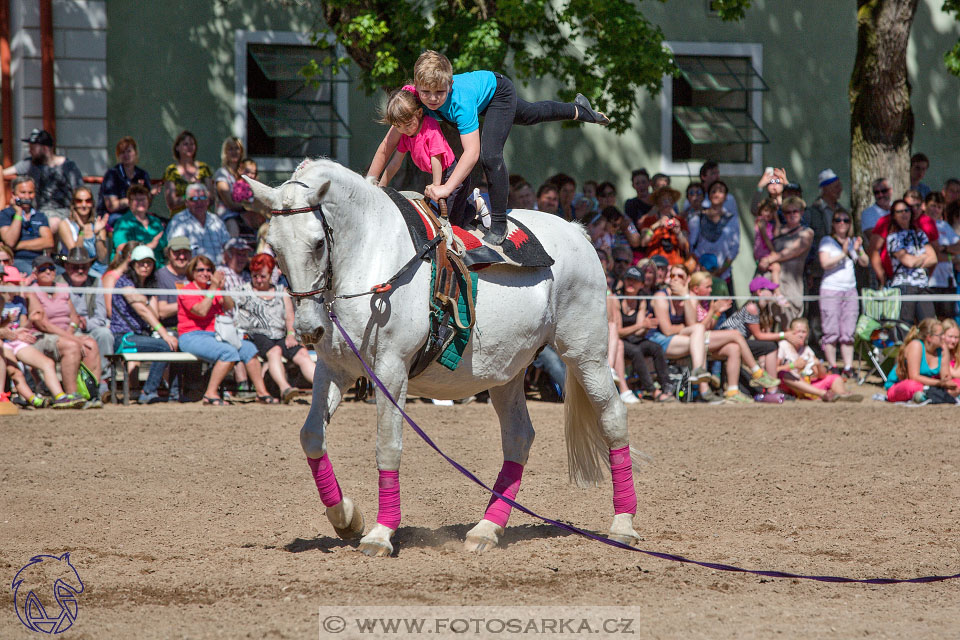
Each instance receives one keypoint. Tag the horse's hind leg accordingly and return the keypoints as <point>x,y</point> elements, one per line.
<point>346,519</point>
<point>516,435</point>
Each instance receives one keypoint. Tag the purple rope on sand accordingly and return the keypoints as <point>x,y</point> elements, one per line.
<point>593,536</point>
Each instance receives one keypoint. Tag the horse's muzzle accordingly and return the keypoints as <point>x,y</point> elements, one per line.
<point>311,337</point>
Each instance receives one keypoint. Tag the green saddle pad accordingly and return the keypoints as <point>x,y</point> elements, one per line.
<point>453,354</point>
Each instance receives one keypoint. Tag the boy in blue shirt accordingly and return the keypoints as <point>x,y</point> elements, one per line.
<point>461,99</point>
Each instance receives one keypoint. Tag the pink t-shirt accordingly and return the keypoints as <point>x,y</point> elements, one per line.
<point>425,144</point>
<point>186,321</point>
<point>57,306</point>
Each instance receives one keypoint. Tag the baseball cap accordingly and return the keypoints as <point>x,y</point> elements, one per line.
<point>142,252</point>
<point>762,283</point>
<point>660,261</point>
<point>178,243</point>
<point>236,244</point>
<point>709,262</point>
<point>41,260</point>
<point>40,136</point>
<point>12,274</point>
<point>827,176</point>
<point>633,273</point>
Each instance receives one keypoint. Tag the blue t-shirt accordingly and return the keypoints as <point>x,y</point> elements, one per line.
<point>468,97</point>
<point>12,311</point>
<point>29,230</point>
<point>116,183</point>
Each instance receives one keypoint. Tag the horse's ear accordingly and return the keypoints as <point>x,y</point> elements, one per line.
<point>322,191</point>
<point>264,197</point>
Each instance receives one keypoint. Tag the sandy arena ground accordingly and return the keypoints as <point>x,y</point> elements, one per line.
<point>190,522</point>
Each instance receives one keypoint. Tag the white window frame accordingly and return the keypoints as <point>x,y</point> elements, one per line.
<point>754,51</point>
<point>341,101</point>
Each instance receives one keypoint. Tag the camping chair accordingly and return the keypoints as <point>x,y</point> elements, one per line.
<point>879,332</point>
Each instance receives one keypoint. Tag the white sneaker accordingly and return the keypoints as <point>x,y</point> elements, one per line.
<point>629,398</point>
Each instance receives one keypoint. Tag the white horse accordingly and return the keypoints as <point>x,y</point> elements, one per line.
<point>335,233</point>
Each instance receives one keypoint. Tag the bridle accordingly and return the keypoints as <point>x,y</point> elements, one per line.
<point>328,274</point>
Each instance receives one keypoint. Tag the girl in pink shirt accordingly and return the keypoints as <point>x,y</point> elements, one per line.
<point>420,135</point>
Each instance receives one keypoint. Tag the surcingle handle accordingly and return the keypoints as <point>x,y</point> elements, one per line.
<point>443,207</point>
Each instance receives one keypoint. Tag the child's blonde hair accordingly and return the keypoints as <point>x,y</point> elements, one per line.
<point>700,277</point>
<point>947,324</point>
<point>399,108</point>
<point>920,331</point>
<point>432,71</point>
<point>798,322</point>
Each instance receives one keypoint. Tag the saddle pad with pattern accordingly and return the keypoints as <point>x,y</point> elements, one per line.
<point>521,248</point>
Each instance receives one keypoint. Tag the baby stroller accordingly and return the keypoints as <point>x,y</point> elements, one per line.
<point>879,332</point>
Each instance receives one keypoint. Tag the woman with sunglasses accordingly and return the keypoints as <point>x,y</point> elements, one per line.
<point>186,170</point>
<point>911,254</point>
<point>839,306</point>
<point>85,229</point>
<point>196,326</point>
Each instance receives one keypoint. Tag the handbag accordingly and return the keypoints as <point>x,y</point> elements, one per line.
<point>226,330</point>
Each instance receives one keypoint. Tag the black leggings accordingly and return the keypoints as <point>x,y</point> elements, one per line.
<point>504,111</point>
<point>637,353</point>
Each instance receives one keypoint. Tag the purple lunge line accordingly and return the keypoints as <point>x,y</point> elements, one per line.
<point>593,536</point>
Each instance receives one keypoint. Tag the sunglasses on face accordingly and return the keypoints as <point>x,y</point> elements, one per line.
<point>197,198</point>
<point>203,270</point>
<point>789,211</point>
<point>676,275</point>
<point>77,267</point>
<point>880,192</point>
<point>841,220</point>
<point>83,201</point>
<point>695,192</point>
<point>46,267</point>
<point>901,210</point>
<point>6,260</point>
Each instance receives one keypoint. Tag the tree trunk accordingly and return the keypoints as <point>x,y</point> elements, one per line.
<point>881,120</point>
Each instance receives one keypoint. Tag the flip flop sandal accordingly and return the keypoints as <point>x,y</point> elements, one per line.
<point>267,400</point>
<point>289,394</point>
<point>214,402</point>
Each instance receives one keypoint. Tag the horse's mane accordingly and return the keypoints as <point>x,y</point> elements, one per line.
<point>315,170</point>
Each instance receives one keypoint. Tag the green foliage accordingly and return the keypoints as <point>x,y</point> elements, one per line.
<point>605,49</point>
<point>952,58</point>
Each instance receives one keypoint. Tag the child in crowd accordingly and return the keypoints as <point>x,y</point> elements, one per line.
<point>765,229</point>
<point>461,99</point>
<point>920,374</point>
<point>802,374</point>
<point>241,191</point>
<point>951,348</point>
<point>412,131</point>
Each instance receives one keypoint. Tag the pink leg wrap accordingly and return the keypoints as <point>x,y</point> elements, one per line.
<point>326,482</point>
<point>624,493</point>
<point>389,512</point>
<point>508,485</point>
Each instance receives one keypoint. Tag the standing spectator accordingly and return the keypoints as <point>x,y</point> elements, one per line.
<point>770,187</point>
<point>880,208</point>
<point>23,228</point>
<point>135,325</point>
<point>839,305</point>
<point>566,190</point>
<point>548,198</point>
<point>173,276</point>
<point>606,195</point>
<point>919,163</point>
<point>659,180</point>
<point>57,320</point>
<point>56,177</point>
<point>636,208</point>
<point>917,372</point>
<point>710,173</point>
<point>622,230</point>
<point>951,191</point>
<point>114,191</point>
<point>521,194</point>
<point>662,233</point>
<point>138,224</point>
<point>268,321</point>
<point>694,203</point>
<point>196,315</point>
<point>622,259</point>
<point>185,171</point>
<point>790,252</point>
<point>230,211</point>
<point>90,307</point>
<point>84,230</point>
<point>911,254</point>
<point>824,209</point>
<point>206,232</point>
<point>947,248</point>
<point>716,231</point>
<point>879,255</point>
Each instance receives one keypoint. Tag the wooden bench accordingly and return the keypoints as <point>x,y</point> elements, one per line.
<point>118,361</point>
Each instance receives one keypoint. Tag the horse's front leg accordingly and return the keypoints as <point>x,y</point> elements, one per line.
<point>516,435</point>
<point>389,447</point>
<point>346,519</point>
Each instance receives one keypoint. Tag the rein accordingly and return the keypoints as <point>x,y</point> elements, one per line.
<point>328,275</point>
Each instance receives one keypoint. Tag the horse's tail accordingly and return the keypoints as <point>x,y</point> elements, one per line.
<point>587,452</point>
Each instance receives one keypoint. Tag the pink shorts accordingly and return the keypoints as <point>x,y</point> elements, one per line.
<point>15,345</point>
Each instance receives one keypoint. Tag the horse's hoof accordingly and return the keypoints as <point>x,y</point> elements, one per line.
<point>630,540</point>
<point>483,537</point>
<point>622,530</point>
<point>347,512</point>
<point>375,549</point>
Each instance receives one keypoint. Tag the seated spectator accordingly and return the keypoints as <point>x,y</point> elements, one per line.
<point>268,322</point>
<point>663,269</point>
<point>716,231</point>
<point>229,210</point>
<point>911,254</point>
<point>947,248</point>
<point>118,266</point>
<point>173,276</point>
<point>566,190</point>
<point>588,200</point>
<point>600,229</point>
<point>694,201</point>
<point>765,229</point>
<point>55,177</point>
<point>635,321</point>
<point>206,233</point>
<point>622,259</point>
<point>606,196</point>
<point>754,321</point>
<point>951,348</point>
<point>621,230</point>
<point>113,199</point>
<point>917,374</point>
<point>521,194</point>
<point>90,307</point>
<point>839,305</point>
<point>661,232</point>
<point>790,252</point>
<point>185,171</point>
<point>138,224</point>
<point>23,228</point>
<point>636,208</point>
<point>196,315</point>
<point>236,257</point>
<point>83,229</point>
<point>19,346</point>
<point>58,323</point>
<point>251,218</point>
<point>134,323</point>
<point>803,375</point>
<point>548,198</point>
